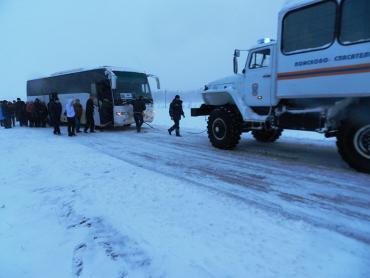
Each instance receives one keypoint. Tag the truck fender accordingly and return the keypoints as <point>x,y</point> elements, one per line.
<point>229,96</point>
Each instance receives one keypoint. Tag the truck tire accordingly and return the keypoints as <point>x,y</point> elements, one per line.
<point>353,144</point>
<point>267,136</point>
<point>224,128</point>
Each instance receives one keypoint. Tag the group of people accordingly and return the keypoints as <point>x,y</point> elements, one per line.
<point>27,114</point>
<point>73,112</point>
<point>37,114</point>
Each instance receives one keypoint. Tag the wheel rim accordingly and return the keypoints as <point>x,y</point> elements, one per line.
<point>219,129</point>
<point>362,141</point>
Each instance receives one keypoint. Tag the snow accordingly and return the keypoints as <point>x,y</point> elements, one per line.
<point>122,204</point>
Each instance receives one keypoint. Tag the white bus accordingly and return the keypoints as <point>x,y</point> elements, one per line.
<point>116,86</point>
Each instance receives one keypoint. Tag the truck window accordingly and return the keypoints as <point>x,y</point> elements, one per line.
<point>309,28</point>
<point>260,59</point>
<point>355,21</point>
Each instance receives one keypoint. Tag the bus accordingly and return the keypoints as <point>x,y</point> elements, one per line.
<point>112,89</point>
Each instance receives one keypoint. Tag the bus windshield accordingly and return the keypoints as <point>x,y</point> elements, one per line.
<point>131,85</point>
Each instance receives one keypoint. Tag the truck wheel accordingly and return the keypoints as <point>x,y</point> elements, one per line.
<point>267,136</point>
<point>353,144</point>
<point>224,128</point>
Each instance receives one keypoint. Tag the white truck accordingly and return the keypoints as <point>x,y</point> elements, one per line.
<point>314,77</point>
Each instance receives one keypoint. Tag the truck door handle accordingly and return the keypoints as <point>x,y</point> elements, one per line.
<point>267,76</point>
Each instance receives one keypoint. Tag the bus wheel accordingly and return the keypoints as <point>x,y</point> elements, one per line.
<point>224,128</point>
<point>353,144</point>
<point>267,136</point>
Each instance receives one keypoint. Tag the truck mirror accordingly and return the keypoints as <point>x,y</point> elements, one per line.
<point>235,65</point>
<point>237,53</point>
<point>158,83</point>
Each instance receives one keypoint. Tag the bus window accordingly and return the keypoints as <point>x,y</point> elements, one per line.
<point>130,86</point>
<point>355,21</point>
<point>309,28</point>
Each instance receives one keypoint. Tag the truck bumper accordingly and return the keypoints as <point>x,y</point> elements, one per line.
<point>203,110</point>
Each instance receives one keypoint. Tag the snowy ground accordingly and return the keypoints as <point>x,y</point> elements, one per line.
<point>121,204</point>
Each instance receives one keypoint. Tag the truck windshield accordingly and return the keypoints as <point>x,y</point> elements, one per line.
<point>131,85</point>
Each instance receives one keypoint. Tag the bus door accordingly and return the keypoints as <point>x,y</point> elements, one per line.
<point>105,103</point>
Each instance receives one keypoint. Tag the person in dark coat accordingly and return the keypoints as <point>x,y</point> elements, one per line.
<point>50,103</point>
<point>176,112</point>
<point>43,114</point>
<point>6,107</point>
<point>106,114</point>
<point>12,112</point>
<point>29,114</point>
<point>2,117</point>
<point>139,107</point>
<point>20,108</point>
<point>37,113</point>
<point>89,113</point>
<point>55,111</point>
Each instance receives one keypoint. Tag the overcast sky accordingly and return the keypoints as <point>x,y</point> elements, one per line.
<point>187,43</point>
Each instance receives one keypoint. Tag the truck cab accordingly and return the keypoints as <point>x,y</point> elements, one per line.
<point>314,77</point>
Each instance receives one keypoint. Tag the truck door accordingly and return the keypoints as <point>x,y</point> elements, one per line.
<point>258,78</point>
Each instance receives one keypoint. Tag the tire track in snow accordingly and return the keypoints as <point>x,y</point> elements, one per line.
<point>99,237</point>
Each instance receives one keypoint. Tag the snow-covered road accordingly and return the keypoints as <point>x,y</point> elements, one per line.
<point>305,181</point>
<point>122,204</point>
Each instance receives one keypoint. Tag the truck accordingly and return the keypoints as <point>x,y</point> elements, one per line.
<point>315,77</point>
<point>114,86</point>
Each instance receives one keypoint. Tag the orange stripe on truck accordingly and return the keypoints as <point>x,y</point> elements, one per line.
<point>333,71</point>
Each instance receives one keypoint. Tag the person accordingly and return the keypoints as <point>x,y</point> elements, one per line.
<point>138,108</point>
<point>43,114</point>
<point>2,118</point>
<point>20,107</point>
<point>71,114</point>
<point>29,114</point>
<point>50,103</point>
<point>176,112</point>
<point>89,114</point>
<point>78,109</point>
<point>106,111</point>
<point>37,113</point>
<point>7,114</point>
<point>12,112</point>
<point>55,111</point>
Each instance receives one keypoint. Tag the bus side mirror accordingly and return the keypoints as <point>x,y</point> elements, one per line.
<point>113,79</point>
<point>114,82</point>
<point>156,79</point>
